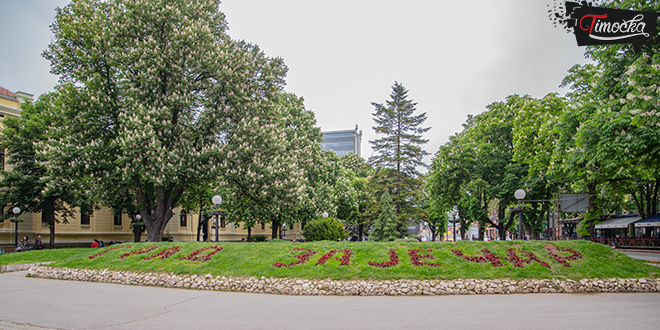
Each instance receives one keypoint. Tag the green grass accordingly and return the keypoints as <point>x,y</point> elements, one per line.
<point>256,259</point>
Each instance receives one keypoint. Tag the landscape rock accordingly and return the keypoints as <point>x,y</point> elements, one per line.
<point>329,287</point>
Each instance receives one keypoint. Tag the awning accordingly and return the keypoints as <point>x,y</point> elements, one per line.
<point>572,220</point>
<point>650,222</point>
<point>618,222</point>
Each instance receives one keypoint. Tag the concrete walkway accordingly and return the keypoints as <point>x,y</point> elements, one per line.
<point>655,256</point>
<point>34,303</point>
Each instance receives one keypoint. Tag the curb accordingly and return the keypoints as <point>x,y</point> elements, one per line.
<point>19,267</point>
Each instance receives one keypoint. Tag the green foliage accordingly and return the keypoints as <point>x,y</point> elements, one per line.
<point>324,229</point>
<point>399,153</point>
<point>386,227</point>
<point>32,187</point>
<point>259,238</point>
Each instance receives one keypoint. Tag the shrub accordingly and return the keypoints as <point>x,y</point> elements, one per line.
<point>258,238</point>
<point>324,229</point>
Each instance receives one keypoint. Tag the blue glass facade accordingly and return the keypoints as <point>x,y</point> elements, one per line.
<point>343,142</point>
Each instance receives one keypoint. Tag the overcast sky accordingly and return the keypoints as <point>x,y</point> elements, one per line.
<point>454,57</point>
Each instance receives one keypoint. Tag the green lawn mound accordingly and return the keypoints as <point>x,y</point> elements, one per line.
<point>355,260</point>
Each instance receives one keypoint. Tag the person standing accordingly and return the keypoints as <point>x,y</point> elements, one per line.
<point>38,245</point>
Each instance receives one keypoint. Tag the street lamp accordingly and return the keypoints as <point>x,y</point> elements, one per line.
<point>16,210</point>
<point>454,212</point>
<point>520,195</point>
<point>216,200</point>
<point>137,228</point>
<point>284,231</point>
<point>325,214</point>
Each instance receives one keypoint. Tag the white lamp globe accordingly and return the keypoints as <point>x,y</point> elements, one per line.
<point>216,200</point>
<point>520,194</point>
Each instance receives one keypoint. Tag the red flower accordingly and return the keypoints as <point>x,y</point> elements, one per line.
<point>108,250</point>
<point>194,256</point>
<point>518,262</point>
<point>343,261</point>
<point>563,260</point>
<point>394,260</point>
<point>302,258</point>
<point>138,251</point>
<point>164,254</point>
<point>487,257</point>
<point>415,257</point>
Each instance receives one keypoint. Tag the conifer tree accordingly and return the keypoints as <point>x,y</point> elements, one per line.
<point>385,228</point>
<point>400,149</point>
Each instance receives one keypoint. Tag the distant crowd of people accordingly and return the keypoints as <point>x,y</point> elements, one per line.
<point>24,244</point>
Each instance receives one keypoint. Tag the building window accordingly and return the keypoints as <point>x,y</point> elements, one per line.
<point>2,212</point>
<point>117,219</point>
<point>85,214</point>
<point>263,226</point>
<point>2,159</point>
<point>222,222</point>
<point>183,219</point>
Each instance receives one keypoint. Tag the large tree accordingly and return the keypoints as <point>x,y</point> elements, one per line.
<point>400,148</point>
<point>149,90</point>
<point>474,171</point>
<point>30,186</point>
<point>269,164</point>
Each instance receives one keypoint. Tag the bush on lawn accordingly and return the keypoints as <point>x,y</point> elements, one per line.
<point>324,229</point>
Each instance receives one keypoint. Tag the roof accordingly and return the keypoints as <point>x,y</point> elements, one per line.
<point>650,222</point>
<point>572,220</point>
<point>6,92</point>
<point>618,222</point>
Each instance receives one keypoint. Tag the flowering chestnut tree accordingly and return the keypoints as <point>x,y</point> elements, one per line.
<point>154,96</point>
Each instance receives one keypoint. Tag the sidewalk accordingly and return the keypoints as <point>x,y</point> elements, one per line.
<point>48,304</point>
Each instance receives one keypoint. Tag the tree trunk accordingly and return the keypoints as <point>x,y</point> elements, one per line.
<point>156,214</point>
<point>49,211</point>
<point>275,228</point>
<point>249,237</point>
<point>200,223</point>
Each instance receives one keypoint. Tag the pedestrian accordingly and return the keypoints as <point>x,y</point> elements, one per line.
<point>38,245</point>
<point>96,243</point>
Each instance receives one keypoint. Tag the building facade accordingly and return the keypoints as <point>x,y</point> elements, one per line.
<point>343,142</point>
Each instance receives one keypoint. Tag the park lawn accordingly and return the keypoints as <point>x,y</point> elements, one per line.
<point>257,259</point>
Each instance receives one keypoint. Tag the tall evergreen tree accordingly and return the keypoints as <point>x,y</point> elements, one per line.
<point>400,148</point>
<point>385,227</point>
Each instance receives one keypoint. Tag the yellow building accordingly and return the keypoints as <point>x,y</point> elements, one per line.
<point>103,224</point>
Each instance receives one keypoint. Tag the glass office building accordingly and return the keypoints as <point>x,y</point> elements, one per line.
<point>343,142</point>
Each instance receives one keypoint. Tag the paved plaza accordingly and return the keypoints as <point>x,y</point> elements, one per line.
<point>35,303</point>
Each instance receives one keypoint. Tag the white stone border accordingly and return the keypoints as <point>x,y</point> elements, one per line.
<point>292,286</point>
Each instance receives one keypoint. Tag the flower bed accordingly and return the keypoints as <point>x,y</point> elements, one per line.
<point>415,257</point>
<point>394,260</point>
<point>343,261</point>
<point>203,254</point>
<point>108,250</point>
<point>563,260</point>
<point>164,254</point>
<point>518,262</point>
<point>302,258</point>
<point>138,251</point>
<point>487,257</point>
